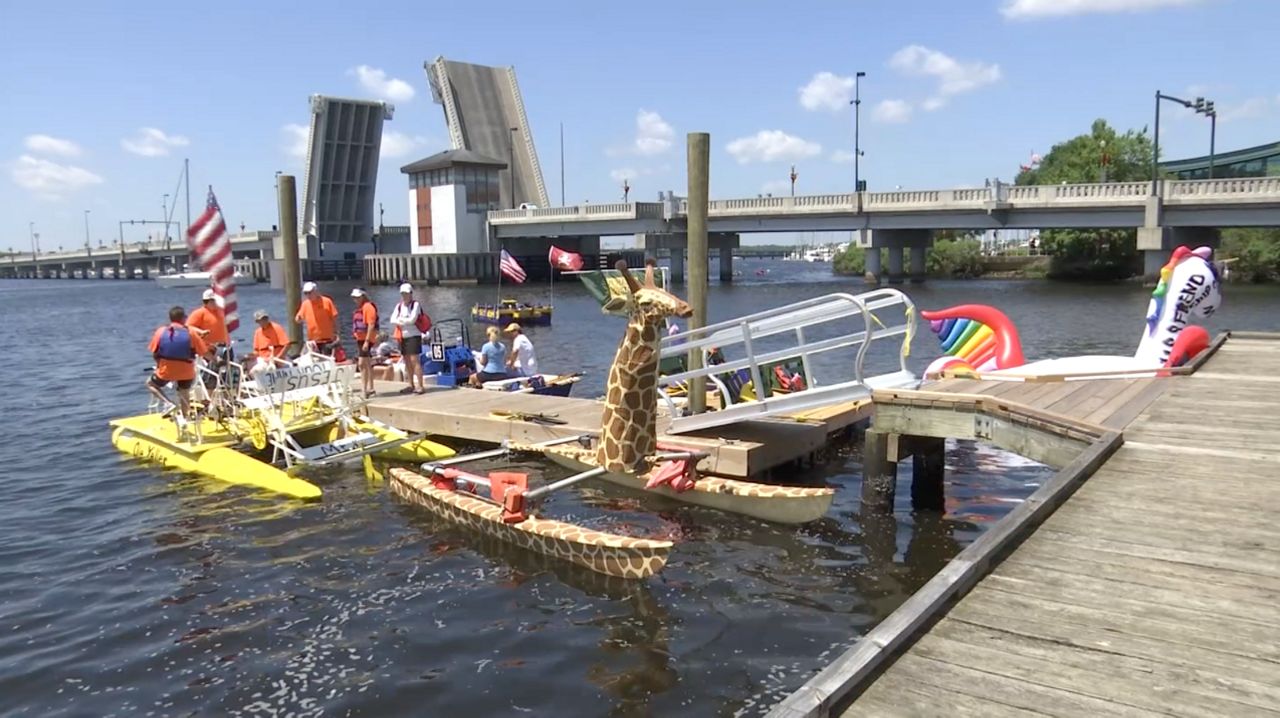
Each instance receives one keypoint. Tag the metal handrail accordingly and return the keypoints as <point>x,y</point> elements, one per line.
<point>792,318</point>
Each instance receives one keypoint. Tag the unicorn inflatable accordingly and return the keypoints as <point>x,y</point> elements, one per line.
<point>979,339</point>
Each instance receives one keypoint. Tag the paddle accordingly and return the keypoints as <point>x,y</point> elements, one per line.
<point>525,416</point>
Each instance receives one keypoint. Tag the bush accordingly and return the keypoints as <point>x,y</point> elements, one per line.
<point>1092,253</point>
<point>960,258</point>
<point>851,261</point>
<point>1256,253</point>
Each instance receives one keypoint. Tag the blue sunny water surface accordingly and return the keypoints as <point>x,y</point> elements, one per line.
<point>131,591</point>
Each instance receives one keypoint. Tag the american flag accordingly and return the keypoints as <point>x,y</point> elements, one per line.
<point>207,238</point>
<point>511,267</point>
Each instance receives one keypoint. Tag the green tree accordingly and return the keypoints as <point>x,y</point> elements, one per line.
<point>1255,253</point>
<point>959,258</point>
<point>1101,155</point>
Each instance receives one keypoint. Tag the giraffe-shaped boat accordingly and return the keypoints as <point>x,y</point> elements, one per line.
<point>627,448</point>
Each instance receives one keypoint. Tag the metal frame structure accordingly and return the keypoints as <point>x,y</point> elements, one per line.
<point>791,322</point>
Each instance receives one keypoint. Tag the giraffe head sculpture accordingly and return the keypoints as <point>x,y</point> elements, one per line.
<point>628,430</point>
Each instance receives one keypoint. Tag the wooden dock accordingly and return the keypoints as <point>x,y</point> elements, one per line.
<point>748,449</point>
<point>1142,580</point>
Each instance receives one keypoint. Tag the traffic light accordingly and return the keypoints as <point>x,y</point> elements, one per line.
<point>1200,104</point>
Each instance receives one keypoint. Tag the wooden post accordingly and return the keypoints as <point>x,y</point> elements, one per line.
<point>699,173</point>
<point>287,197</point>
<point>879,474</point>
<point>928,469</point>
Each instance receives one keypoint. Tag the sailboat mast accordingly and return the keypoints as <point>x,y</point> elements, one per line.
<point>186,178</point>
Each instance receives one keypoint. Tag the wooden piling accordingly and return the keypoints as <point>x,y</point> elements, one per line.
<point>699,157</point>
<point>928,471</point>
<point>287,197</point>
<point>879,473</point>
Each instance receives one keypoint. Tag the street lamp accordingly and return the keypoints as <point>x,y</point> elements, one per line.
<point>512,169</point>
<point>88,248</point>
<point>793,180</point>
<point>164,208</point>
<point>1201,107</point>
<point>626,190</point>
<point>857,151</point>
<point>31,228</point>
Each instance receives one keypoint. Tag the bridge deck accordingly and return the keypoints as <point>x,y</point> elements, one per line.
<point>1152,591</point>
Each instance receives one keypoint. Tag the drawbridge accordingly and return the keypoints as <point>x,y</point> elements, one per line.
<point>794,358</point>
<point>485,113</point>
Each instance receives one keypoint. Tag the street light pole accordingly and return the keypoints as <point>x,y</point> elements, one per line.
<point>1213,129</point>
<point>87,244</point>
<point>31,228</point>
<point>512,169</point>
<point>857,149</point>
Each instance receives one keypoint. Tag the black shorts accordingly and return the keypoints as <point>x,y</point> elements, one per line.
<point>492,376</point>
<point>183,384</point>
<point>326,348</point>
<point>411,346</point>
<point>363,350</point>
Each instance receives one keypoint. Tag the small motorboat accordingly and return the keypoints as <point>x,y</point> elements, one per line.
<point>510,310</point>
<point>545,384</point>
<point>447,355</point>
<point>198,279</point>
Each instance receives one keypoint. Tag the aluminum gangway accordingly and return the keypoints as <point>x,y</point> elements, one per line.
<point>786,334</point>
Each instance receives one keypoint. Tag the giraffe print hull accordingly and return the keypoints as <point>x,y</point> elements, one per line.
<point>610,554</point>
<point>780,504</point>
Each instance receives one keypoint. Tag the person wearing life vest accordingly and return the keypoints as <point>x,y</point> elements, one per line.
<point>175,348</point>
<point>320,316</point>
<point>410,322</point>
<point>364,326</point>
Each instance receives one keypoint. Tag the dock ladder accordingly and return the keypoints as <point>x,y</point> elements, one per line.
<point>753,344</point>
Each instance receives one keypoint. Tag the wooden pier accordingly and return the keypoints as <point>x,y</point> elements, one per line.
<point>748,449</point>
<point>1143,579</point>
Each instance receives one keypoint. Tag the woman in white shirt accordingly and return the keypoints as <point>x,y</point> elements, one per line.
<point>522,358</point>
<point>405,319</point>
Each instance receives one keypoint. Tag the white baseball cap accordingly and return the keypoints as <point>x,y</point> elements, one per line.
<point>209,294</point>
<point>308,287</point>
<point>406,288</point>
<point>357,292</point>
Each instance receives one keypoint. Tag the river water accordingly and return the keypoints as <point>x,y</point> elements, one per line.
<point>126,590</point>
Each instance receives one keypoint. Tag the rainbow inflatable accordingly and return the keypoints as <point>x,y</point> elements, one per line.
<point>980,339</point>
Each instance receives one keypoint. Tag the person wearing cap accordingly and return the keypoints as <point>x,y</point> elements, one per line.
<point>522,358</point>
<point>405,319</point>
<point>269,341</point>
<point>209,322</point>
<point>364,326</point>
<point>320,315</point>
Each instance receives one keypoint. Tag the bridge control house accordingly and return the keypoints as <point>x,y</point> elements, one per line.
<point>450,195</point>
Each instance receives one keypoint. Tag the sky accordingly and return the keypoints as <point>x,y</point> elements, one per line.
<point>104,101</point>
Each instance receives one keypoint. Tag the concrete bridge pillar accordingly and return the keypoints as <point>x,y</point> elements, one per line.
<point>146,271</point>
<point>677,265</point>
<point>726,243</point>
<point>917,268</point>
<point>895,264</point>
<point>872,269</point>
<point>1157,243</point>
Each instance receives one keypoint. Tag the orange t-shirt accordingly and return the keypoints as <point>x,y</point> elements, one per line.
<point>370,313</point>
<point>176,369</point>
<point>213,321</point>
<point>270,341</point>
<point>319,315</point>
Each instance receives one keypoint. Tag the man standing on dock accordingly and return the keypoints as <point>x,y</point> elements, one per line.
<point>364,325</point>
<point>409,321</point>
<point>319,314</point>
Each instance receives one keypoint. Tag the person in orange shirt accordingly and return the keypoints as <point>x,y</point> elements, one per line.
<point>364,325</point>
<point>319,314</point>
<point>269,341</point>
<point>210,322</point>
<point>175,349</point>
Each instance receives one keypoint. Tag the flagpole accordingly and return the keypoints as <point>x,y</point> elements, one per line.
<point>551,279</point>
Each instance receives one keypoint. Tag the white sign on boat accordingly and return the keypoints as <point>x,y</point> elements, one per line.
<point>320,452</point>
<point>292,378</point>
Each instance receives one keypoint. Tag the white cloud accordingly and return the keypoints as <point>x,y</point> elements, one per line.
<point>50,179</point>
<point>842,157</point>
<point>295,140</point>
<point>376,82</point>
<point>771,146</point>
<point>394,144</point>
<point>150,142</point>
<point>1250,109</point>
<point>48,145</point>
<point>932,103</point>
<point>954,77</point>
<point>892,111</point>
<point>827,91</point>
<point>653,134</point>
<point>1029,9</point>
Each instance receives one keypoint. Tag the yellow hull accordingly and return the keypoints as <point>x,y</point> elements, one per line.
<point>217,461</point>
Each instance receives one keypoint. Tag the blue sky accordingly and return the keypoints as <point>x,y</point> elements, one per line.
<point>103,101</point>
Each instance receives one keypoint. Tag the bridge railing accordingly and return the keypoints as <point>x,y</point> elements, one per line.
<point>1262,189</point>
<point>1097,193</point>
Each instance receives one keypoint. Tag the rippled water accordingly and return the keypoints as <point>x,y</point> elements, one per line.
<point>126,590</point>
